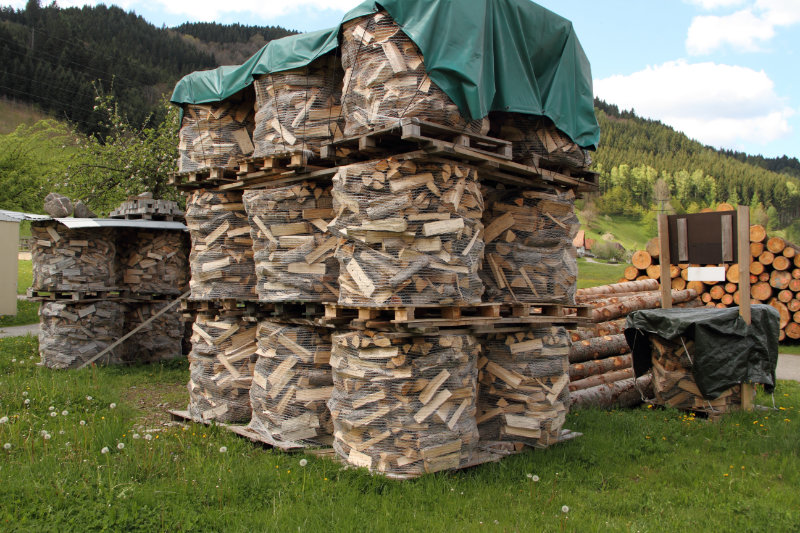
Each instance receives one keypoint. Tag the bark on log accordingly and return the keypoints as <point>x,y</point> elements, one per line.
<point>636,286</point>
<point>646,301</point>
<point>600,379</point>
<point>625,393</point>
<point>583,370</point>
<point>598,348</point>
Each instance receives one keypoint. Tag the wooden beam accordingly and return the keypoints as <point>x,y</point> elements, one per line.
<point>743,233</point>
<point>664,260</point>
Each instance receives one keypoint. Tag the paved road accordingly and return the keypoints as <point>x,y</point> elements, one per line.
<point>16,331</point>
<point>789,367</point>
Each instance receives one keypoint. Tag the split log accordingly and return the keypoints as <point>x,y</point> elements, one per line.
<point>635,303</point>
<point>625,393</point>
<point>160,340</point>
<point>598,348</point>
<point>536,137</point>
<point>71,334</point>
<point>154,262</point>
<point>579,371</point>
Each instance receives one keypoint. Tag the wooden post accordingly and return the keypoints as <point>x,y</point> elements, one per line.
<point>664,261</point>
<point>743,231</point>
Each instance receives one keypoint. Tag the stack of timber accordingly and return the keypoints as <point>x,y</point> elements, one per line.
<point>144,206</point>
<point>218,134</point>
<point>385,80</point>
<point>774,278</point>
<point>404,406</point>
<point>221,260</point>
<point>293,249</point>
<point>154,262</point>
<point>297,110</point>
<point>221,367</point>
<point>674,384</point>
<point>72,259</point>
<point>159,340</point>
<point>73,333</point>
<point>601,367</point>
<point>529,256</point>
<point>412,230</point>
<point>292,383</point>
<point>523,386</point>
<point>536,140</point>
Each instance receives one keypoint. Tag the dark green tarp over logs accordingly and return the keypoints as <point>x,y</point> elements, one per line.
<point>727,351</point>
<point>487,55</point>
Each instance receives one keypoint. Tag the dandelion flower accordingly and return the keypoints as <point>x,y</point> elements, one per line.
<point>223,449</point>
<point>136,436</point>
<point>53,413</point>
<point>27,401</point>
<point>148,437</point>
<point>61,432</point>
<point>564,509</point>
<point>51,408</point>
<point>47,436</point>
<point>529,476</point>
<point>64,412</point>
<point>24,393</point>
<point>303,462</point>
<point>13,360</point>
<point>121,445</point>
<point>113,406</point>
<point>104,450</point>
<point>89,398</point>
<point>83,422</point>
<point>535,478</point>
<point>3,420</point>
<point>42,433</point>
<point>7,446</point>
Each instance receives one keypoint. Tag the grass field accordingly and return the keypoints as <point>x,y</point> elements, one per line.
<point>630,232</point>
<point>591,274</point>
<point>12,114</point>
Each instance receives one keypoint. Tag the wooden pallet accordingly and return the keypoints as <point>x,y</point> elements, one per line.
<point>75,296</point>
<point>207,177</point>
<point>148,216</point>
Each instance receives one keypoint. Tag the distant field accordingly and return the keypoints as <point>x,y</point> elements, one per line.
<point>12,114</point>
<point>594,274</point>
<point>631,233</point>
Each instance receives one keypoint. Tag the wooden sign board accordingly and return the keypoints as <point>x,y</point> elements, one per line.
<point>703,238</point>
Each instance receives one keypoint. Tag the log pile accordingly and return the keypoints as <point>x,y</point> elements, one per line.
<point>292,383</point>
<point>404,406</point>
<point>523,386</point>
<point>72,259</point>
<point>293,249</point>
<point>385,80</point>
<point>221,368</point>
<point>774,278</point>
<point>160,340</point>
<point>535,138</point>
<point>297,110</point>
<point>221,260</point>
<point>218,134</point>
<point>529,256</point>
<point>71,334</point>
<point>412,231</point>
<point>154,262</point>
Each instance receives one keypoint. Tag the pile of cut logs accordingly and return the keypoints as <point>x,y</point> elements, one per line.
<point>535,138</point>
<point>71,334</point>
<point>153,262</point>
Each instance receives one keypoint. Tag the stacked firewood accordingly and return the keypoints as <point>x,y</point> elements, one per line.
<point>385,80</point>
<point>774,278</point>
<point>72,333</point>
<point>221,260</point>
<point>297,110</point>
<point>72,259</point>
<point>221,368</point>
<point>154,262</point>
<point>412,230</point>
<point>292,383</point>
<point>529,256</point>
<point>160,340</point>
<point>144,206</point>
<point>404,406</point>
<point>523,386</point>
<point>218,134</point>
<point>293,249</point>
<point>536,138</point>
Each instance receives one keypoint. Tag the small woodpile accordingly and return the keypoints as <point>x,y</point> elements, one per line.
<point>153,262</point>
<point>72,259</point>
<point>293,249</point>
<point>412,231</point>
<point>523,386</point>
<point>160,340</point>
<point>72,333</point>
<point>218,134</point>
<point>221,260</point>
<point>674,384</point>
<point>385,80</point>
<point>536,138</point>
<point>221,367</point>
<point>404,406</point>
<point>292,383</point>
<point>297,110</point>
<point>529,256</point>
<point>774,278</point>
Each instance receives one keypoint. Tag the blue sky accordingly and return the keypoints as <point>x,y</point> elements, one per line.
<point>725,72</point>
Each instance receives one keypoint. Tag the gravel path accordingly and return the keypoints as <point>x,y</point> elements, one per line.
<point>18,331</point>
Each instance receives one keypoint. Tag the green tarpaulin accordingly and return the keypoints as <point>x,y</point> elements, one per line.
<point>487,55</point>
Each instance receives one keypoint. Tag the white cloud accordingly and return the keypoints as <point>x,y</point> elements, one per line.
<point>715,4</point>
<point>720,105</point>
<point>780,12</point>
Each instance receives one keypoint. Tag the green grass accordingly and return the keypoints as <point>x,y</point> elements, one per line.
<point>27,312</point>
<point>24,276</point>
<point>630,232</point>
<point>12,114</point>
<point>792,349</point>
<point>633,470</point>
<point>591,274</point>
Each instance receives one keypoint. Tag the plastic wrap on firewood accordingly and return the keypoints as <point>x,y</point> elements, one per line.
<point>71,334</point>
<point>413,233</point>
<point>529,256</point>
<point>524,393</point>
<point>293,249</point>
<point>154,262</point>
<point>535,137</point>
<point>221,368</point>
<point>292,384</point>
<point>385,80</point>
<point>404,406</point>
<point>72,259</point>
<point>218,134</point>
<point>297,110</point>
<point>160,340</point>
<point>221,261</point>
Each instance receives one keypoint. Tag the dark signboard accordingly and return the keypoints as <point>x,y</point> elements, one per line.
<point>703,238</point>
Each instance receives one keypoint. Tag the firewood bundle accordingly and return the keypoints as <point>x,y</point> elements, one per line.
<point>673,381</point>
<point>154,262</point>
<point>293,249</point>
<point>160,340</point>
<point>218,134</point>
<point>385,80</point>
<point>221,368</point>
<point>404,406</point>
<point>144,206</point>
<point>529,256</point>
<point>71,334</point>
<point>72,259</point>
<point>536,137</point>
<point>222,251</point>
<point>292,383</point>
<point>297,110</point>
<point>413,233</point>
<point>523,386</point>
